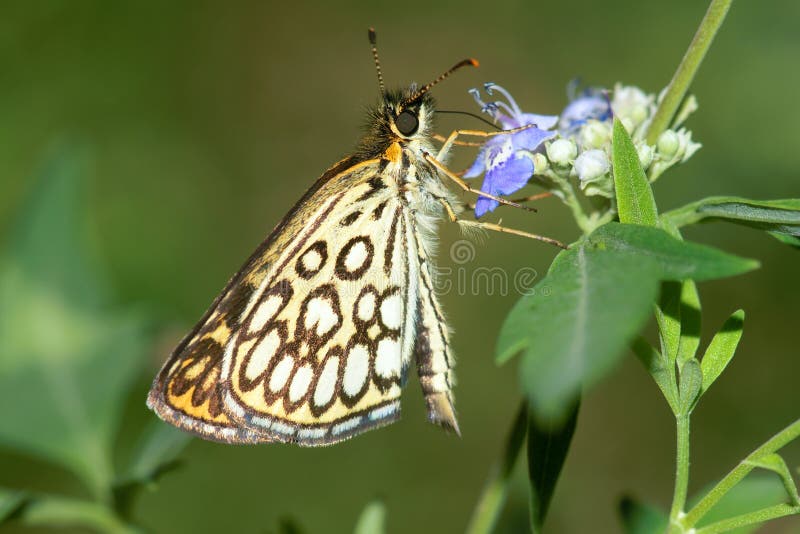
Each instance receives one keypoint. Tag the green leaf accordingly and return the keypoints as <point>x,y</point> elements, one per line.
<point>752,493</point>
<point>691,382</point>
<point>668,317</point>
<point>691,320</point>
<point>779,217</point>
<point>11,501</point>
<point>575,333</point>
<point>372,520</point>
<point>656,365</point>
<point>548,445</point>
<point>157,449</point>
<point>155,453</point>
<point>635,202</point>
<point>721,349</point>
<point>53,511</point>
<point>67,358</point>
<point>677,259</point>
<point>639,518</point>
<point>791,240</point>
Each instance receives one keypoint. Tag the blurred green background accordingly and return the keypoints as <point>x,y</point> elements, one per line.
<point>205,121</point>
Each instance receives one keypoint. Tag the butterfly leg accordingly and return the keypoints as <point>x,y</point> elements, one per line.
<point>529,198</point>
<point>451,214</point>
<point>466,187</point>
<point>455,134</point>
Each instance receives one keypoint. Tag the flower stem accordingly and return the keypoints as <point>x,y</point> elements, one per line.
<point>683,77</point>
<point>681,473</point>
<point>752,518</point>
<point>778,441</point>
<point>494,492</point>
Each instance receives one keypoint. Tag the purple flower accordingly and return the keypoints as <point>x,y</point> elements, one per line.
<point>506,158</point>
<point>592,103</point>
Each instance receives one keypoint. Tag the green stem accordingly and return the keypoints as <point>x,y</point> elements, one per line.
<point>752,518</point>
<point>681,473</point>
<point>494,492</point>
<point>775,443</point>
<point>682,78</point>
<point>571,200</point>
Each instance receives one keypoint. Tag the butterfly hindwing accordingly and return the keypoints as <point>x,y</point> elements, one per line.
<point>318,356</point>
<point>187,392</point>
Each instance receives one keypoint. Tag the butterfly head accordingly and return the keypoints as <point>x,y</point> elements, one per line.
<point>403,115</point>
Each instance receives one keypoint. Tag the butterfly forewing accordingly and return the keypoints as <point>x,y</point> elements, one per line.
<point>187,391</point>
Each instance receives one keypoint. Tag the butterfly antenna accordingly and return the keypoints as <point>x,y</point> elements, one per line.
<point>373,42</point>
<point>470,62</point>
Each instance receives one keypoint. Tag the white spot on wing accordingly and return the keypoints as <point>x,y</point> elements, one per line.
<point>387,361</point>
<point>327,382</point>
<point>320,312</point>
<point>355,370</point>
<point>262,354</point>
<point>383,411</point>
<point>356,256</point>
<point>265,311</point>
<point>311,433</point>
<point>300,382</point>
<point>311,260</point>
<point>346,425</point>
<point>281,373</point>
<point>392,311</point>
<point>366,306</point>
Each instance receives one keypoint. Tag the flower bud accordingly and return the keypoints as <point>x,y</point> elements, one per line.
<point>562,151</point>
<point>668,144</point>
<point>592,165</point>
<point>645,152</point>
<point>540,163</point>
<point>595,134</point>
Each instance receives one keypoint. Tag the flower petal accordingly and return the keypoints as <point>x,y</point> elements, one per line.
<point>531,138</point>
<point>484,205</point>
<point>512,175</point>
<point>478,166</point>
<point>504,178</point>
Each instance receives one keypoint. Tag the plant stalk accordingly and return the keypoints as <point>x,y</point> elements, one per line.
<point>682,79</point>
<point>775,443</point>
<point>681,473</point>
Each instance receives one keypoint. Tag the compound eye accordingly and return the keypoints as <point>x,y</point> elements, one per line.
<point>407,123</point>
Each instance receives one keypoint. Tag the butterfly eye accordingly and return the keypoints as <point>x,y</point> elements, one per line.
<point>407,123</point>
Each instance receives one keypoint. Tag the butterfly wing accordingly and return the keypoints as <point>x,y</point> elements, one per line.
<point>319,353</point>
<point>186,392</point>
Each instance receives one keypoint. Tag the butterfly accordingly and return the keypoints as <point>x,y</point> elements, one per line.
<point>312,340</point>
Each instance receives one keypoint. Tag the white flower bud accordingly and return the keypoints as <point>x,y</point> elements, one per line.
<point>595,134</point>
<point>592,165</point>
<point>562,151</point>
<point>668,144</point>
<point>540,163</point>
<point>645,152</point>
<point>631,105</point>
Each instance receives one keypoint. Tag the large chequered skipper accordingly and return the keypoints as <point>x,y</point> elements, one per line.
<point>311,341</point>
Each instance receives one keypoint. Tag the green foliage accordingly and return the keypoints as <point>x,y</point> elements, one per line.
<point>573,334</point>
<point>548,445</point>
<point>721,349</point>
<point>372,519</point>
<point>640,518</point>
<point>73,381</point>
<point>635,202</point>
<point>676,259</point>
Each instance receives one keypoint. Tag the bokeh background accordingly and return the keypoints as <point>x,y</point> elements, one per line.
<point>206,120</point>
